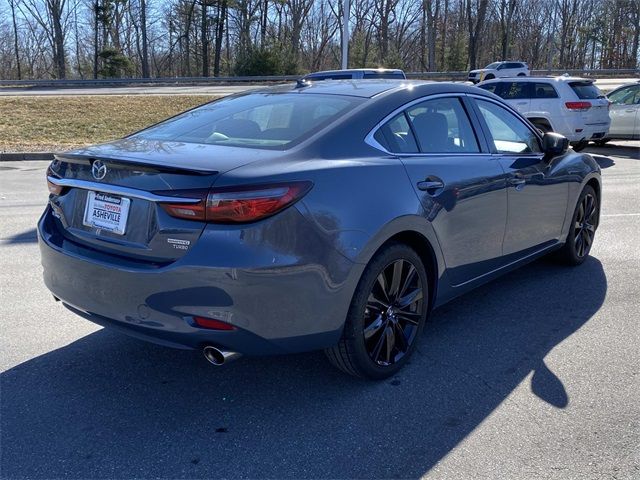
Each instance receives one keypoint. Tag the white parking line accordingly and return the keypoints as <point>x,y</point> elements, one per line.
<point>621,215</point>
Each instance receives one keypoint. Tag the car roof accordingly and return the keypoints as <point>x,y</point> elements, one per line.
<point>352,70</point>
<point>560,78</point>
<point>369,88</point>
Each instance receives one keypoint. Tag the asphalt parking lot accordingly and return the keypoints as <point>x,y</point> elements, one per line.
<point>535,375</point>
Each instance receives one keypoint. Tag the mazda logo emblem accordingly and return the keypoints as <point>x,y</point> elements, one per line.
<point>98,170</point>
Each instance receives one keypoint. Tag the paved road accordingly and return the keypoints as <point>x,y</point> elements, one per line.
<point>533,376</point>
<point>605,84</point>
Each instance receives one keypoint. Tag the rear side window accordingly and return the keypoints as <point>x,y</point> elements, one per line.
<point>441,126</point>
<point>544,90</point>
<point>509,133</point>
<point>272,121</point>
<point>396,135</point>
<point>585,90</point>
<point>515,90</point>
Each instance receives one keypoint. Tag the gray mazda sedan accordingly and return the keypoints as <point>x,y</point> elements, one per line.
<point>330,216</point>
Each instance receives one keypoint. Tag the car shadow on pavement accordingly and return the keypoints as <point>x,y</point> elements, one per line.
<point>28,236</point>
<point>110,406</point>
<point>611,149</point>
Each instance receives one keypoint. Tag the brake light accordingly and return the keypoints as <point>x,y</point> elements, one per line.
<point>578,106</point>
<point>239,204</point>
<point>212,323</point>
<point>188,211</point>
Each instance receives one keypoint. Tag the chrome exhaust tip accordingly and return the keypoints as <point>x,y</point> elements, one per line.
<point>218,357</point>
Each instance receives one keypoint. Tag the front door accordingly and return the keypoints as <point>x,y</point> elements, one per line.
<point>625,113</point>
<point>537,201</point>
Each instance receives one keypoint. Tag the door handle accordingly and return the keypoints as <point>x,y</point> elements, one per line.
<point>430,186</point>
<point>630,110</point>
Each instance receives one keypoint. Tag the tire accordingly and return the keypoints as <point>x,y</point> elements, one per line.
<point>521,74</point>
<point>491,76</point>
<point>584,224</point>
<point>383,352</point>
<point>601,143</point>
<point>579,146</point>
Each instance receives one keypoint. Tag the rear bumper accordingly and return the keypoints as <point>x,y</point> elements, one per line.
<point>279,303</point>
<point>588,132</point>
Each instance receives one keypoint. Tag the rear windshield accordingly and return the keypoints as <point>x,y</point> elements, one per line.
<point>586,90</point>
<point>259,120</point>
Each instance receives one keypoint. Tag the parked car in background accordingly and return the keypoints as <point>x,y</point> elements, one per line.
<point>625,114</point>
<point>332,215</point>
<point>499,70</point>
<point>571,106</point>
<point>356,74</point>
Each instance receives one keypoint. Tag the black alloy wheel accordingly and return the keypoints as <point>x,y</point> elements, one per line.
<point>585,225</point>
<point>582,229</point>
<point>393,312</point>
<point>387,313</point>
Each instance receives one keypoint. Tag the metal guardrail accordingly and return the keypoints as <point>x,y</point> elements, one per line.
<point>173,81</point>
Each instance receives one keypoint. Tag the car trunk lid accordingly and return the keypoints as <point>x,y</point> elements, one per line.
<point>112,194</point>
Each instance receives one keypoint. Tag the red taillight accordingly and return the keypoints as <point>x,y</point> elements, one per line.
<point>212,324</point>
<point>240,204</point>
<point>189,211</point>
<point>248,204</point>
<point>578,106</point>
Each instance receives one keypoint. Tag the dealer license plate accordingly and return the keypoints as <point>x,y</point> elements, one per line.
<point>107,212</point>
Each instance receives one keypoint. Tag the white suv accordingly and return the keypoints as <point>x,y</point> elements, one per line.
<point>571,106</point>
<point>499,70</point>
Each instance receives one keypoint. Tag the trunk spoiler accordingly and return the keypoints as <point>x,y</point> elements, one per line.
<point>143,166</point>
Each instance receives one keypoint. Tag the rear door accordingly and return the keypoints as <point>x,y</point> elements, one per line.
<point>544,100</point>
<point>461,187</point>
<point>537,201</point>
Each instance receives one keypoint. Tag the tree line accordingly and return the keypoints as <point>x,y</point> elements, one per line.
<point>187,38</point>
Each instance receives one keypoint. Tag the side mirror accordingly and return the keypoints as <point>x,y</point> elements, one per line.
<point>554,143</point>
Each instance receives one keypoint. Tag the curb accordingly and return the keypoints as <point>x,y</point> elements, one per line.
<point>19,157</point>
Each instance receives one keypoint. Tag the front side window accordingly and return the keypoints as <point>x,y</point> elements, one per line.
<point>515,90</point>
<point>508,132</point>
<point>441,125</point>
<point>626,96</point>
<point>493,87</point>
<point>260,120</point>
